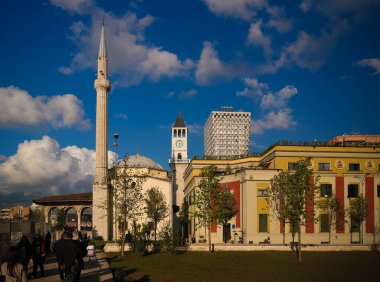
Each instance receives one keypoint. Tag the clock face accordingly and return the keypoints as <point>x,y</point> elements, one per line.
<point>179,143</point>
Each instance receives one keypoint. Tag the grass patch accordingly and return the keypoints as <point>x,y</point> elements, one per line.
<point>247,266</point>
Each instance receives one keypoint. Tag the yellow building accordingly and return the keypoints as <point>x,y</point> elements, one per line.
<point>344,171</point>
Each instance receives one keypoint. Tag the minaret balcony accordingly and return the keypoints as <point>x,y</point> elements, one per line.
<point>102,83</point>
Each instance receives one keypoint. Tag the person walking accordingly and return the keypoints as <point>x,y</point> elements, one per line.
<point>25,249</point>
<point>68,257</point>
<point>47,241</point>
<point>58,249</point>
<point>11,267</point>
<point>38,255</point>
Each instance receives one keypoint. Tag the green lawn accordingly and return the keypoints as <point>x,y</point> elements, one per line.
<point>248,266</point>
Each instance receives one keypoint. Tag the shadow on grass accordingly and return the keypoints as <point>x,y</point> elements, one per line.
<point>131,274</point>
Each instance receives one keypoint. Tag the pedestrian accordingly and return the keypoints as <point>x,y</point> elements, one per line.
<point>25,249</point>
<point>128,237</point>
<point>47,241</point>
<point>90,251</point>
<point>68,257</point>
<point>57,249</point>
<point>79,264</point>
<point>11,267</point>
<point>38,255</point>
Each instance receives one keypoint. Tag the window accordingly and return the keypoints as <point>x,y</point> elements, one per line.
<point>326,190</point>
<point>179,132</point>
<point>353,190</point>
<point>179,156</point>
<point>263,223</point>
<point>292,166</point>
<point>354,167</point>
<point>183,132</point>
<point>355,225</point>
<point>378,190</point>
<point>262,193</point>
<point>323,166</point>
<point>175,133</point>
<point>324,222</point>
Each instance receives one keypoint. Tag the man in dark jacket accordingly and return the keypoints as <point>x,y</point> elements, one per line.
<point>58,249</point>
<point>68,257</point>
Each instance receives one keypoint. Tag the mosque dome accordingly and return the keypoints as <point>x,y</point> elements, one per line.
<point>140,161</point>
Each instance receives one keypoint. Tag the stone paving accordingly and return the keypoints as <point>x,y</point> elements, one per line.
<point>94,270</point>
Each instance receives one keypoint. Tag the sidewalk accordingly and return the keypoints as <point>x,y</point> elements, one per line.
<point>94,270</point>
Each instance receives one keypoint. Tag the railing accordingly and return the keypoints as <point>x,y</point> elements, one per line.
<point>172,161</point>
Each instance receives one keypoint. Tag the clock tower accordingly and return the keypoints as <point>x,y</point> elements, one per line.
<point>178,162</point>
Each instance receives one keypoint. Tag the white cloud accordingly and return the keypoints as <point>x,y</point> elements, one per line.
<point>370,62</point>
<point>76,6</point>
<point>65,70</point>
<point>210,68</point>
<point>19,108</point>
<point>42,167</point>
<point>278,20</point>
<point>280,99</point>
<point>257,37</point>
<point>253,88</point>
<point>278,114</point>
<point>121,116</point>
<point>132,59</point>
<point>243,9</point>
<point>195,128</point>
<point>282,119</point>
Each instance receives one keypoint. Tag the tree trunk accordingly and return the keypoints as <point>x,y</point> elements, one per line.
<point>283,233</point>
<point>209,237</point>
<point>155,232</point>
<point>123,236</point>
<point>299,245</point>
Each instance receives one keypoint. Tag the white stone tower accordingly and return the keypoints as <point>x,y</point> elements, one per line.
<point>179,161</point>
<point>101,216</point>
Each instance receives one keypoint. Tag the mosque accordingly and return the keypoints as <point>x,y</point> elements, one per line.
<point>344,168</point>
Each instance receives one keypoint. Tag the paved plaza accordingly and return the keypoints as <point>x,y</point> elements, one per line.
<point>95,270</point>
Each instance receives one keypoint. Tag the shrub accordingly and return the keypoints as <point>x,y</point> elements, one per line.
<point>98,242</point>
<point>169,239</point>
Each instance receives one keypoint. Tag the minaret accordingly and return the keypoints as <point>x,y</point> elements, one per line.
<point>100,194</point>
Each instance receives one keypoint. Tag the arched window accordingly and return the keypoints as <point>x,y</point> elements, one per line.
<point>175,133</point>
<point>86,219</point>
<point>179,156</point>
<point>71,217</point>
<point>52,217</point>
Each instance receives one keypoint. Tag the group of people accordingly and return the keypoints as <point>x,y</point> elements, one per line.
<point>69,250</point>
<point>14,265</point>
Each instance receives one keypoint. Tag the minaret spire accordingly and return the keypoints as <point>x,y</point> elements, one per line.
<point>102,45</point>
<point>101,217</point>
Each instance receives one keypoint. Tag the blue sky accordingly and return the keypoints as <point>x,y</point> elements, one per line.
<point>306,71</point>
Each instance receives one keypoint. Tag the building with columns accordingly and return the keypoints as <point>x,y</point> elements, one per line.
<point>346,172</point>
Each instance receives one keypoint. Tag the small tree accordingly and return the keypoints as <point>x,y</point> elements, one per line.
<point>183,218</point>
<point>127,197</point>
<point>358,212</point>
<point>156,207</point>
<point>61,219</point>
<point>214,205</point>
<point>289,195</point>
<point>330,206</point>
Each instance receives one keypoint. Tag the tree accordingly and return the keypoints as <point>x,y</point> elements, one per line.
<point>290,194</point>
<point>37,215</point>
<point>61,219</point>
<point>183,218</point>
<point>330,206</point>
<point>358,212</point>
<point>126,193</point>
<point>214,205</point>
<point>156,207</point>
